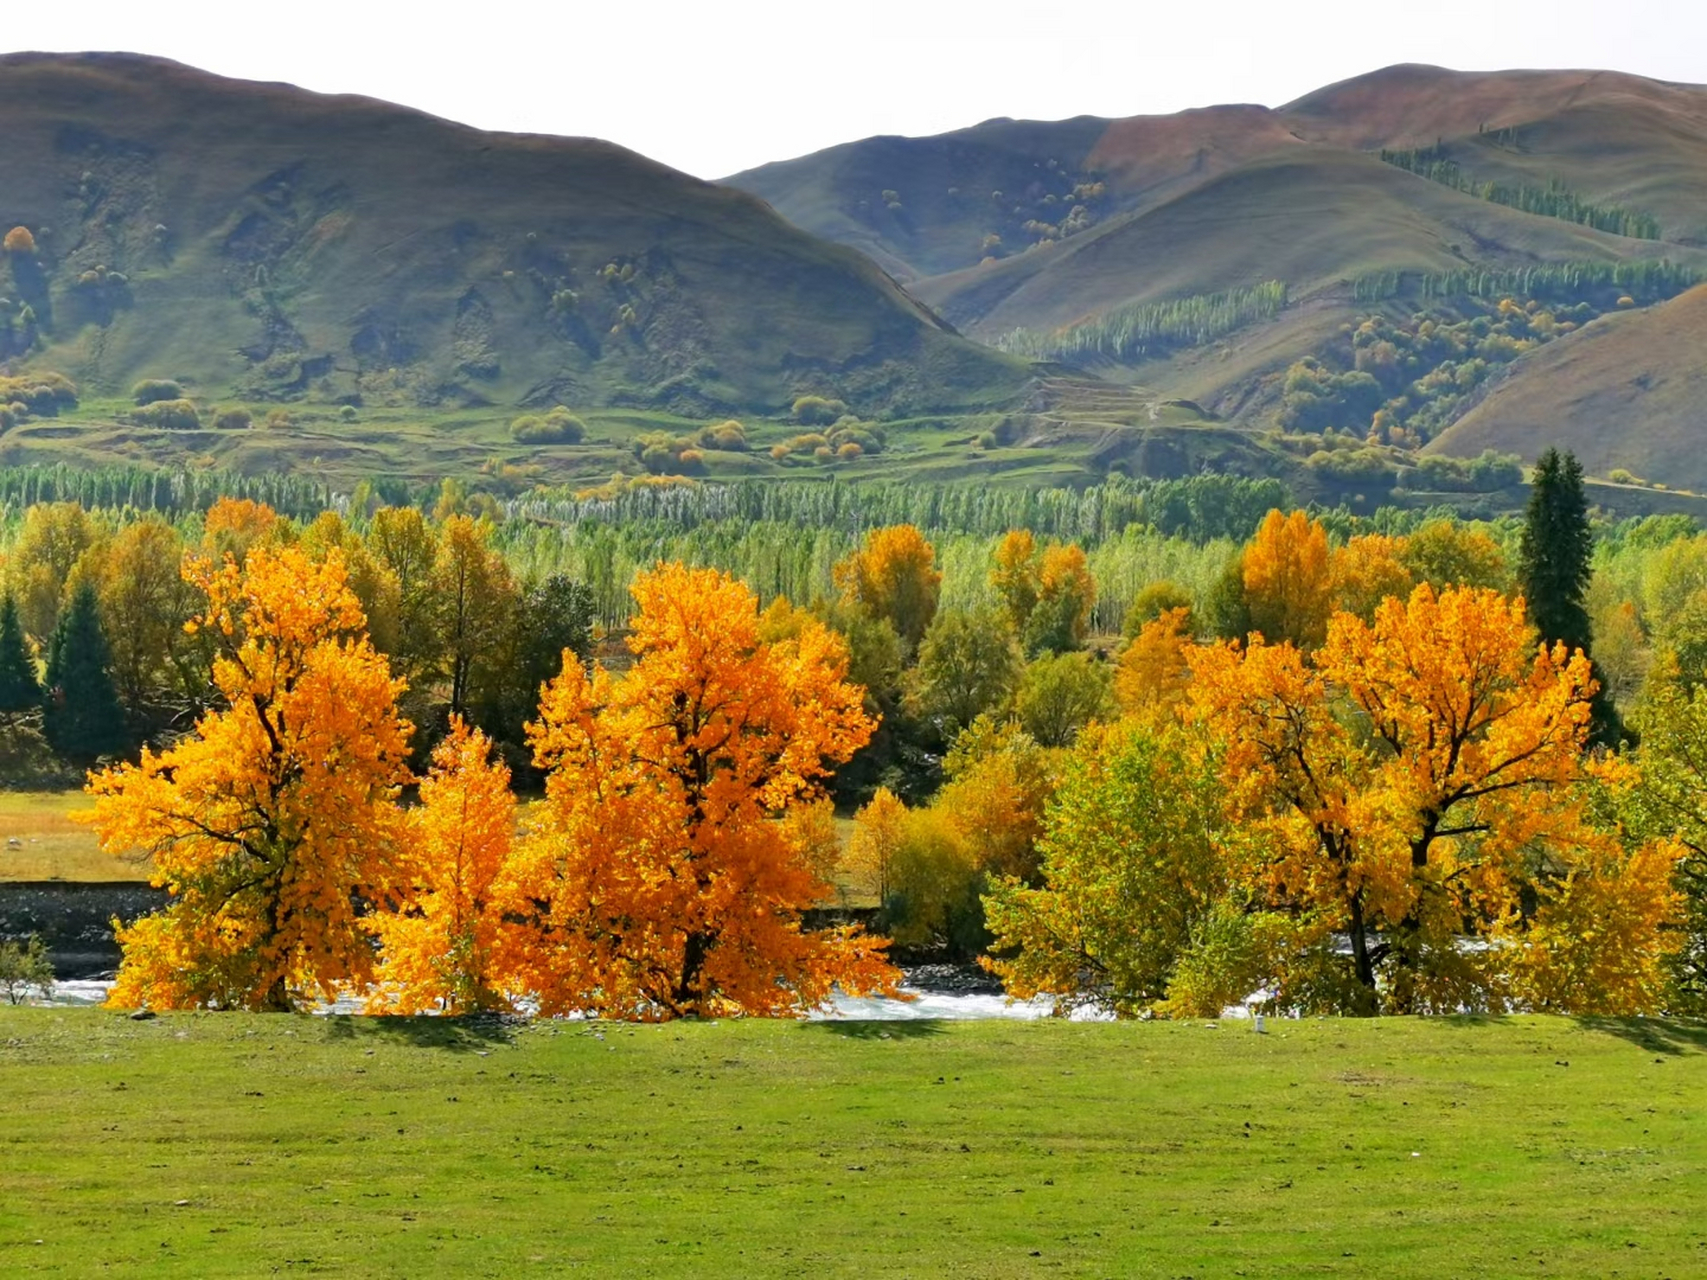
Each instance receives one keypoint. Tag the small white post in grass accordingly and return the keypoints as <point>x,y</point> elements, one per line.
<point>1254,1003</point>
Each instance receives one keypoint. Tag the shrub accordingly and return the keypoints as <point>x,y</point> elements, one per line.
<point>348,413</point>
<point>823,453</point>
<point>236,418</point>
<point>559,426</point>
<point>729,437</point>
<point>24,967</point>
<point>152,390</point>
<point>849,450</point>
<point>19,240</point>
<point>813,411</point>
<point>1618,475</point>
<point>172,415</point>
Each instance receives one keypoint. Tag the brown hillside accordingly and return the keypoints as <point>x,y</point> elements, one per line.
<point>1628,391</point>
<point>1412,105</point>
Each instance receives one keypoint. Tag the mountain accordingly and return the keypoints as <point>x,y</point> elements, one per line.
<point>1383,196</point>
<point>261,242</point>
<point>1579,392</point>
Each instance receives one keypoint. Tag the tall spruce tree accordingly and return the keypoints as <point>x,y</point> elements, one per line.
<point>81,714</point>
<point>1555,566</point>
<point>19,688</point>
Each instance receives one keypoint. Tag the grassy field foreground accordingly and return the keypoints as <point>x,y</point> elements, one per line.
<point>240,1145</point>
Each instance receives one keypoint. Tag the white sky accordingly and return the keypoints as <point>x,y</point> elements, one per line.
<point>714,88</point>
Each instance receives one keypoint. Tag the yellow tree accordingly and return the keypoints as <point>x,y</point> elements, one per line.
<point>275,818</point>
<point>1287,582</point>
<point>1153,672</point>
<point>1066,594</point>
<point>1424,774</point>
<point>876,837</point>
<point>894,576</point>
<point>477,601</point>
<point>655,881</point>
<point>1014,576</point>
<point>439,944</point>
<point>1365,571</point>
<point>234,526</point>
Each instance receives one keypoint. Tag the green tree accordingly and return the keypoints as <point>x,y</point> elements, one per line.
<point>968,664</point>
<point>1134,859</point>
<point>1059,694</point>
<point>1555,552</point>
<point>19,688</point>
<point>81,714</point>
<point>1555,566</point>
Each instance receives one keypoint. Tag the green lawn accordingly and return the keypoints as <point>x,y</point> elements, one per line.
<point>237,1145</point>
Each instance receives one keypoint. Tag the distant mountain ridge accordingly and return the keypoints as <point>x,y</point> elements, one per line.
<point>262,241</point>
<point>1022,233</point>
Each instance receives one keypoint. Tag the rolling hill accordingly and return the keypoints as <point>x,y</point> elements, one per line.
<point>1582,392</point>
<point>1029,235</point>
<point>266,243</point>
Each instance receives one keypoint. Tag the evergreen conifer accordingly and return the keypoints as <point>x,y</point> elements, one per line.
<point>81,714</point>
<point>1555,566</point>
<point>19,688</point>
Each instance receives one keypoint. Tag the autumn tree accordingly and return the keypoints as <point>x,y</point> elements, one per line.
<point>1151,677</point>
<point>477,599</point>
<point>235,526</point>
<point>275,820</point>
<point>54,538</point>
<point>82,718</point>
<point>894,576</point>
<point>1047,596</point>
<point>403,542</point>
<point>1368,569</point>
<point>1066,594</point>
<point>655,881</point>
<point>1286,579</point>
<point>1424,774</point>
<point>876,837</point>
<point>145,603</point>
<point>440,938</point>
<point>1013,576</point>
<point>1445,553</point>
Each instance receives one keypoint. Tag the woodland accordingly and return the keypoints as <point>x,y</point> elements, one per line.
<point>1351,765</point>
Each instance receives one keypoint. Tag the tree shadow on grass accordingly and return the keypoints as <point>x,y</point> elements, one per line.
<point>459,1035</point>
<point>878,1028</point>
<point>1656,1035</point>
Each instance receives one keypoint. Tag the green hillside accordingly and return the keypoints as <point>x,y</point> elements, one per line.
<point>264,243</point>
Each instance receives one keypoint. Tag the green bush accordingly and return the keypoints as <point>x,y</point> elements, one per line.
<point>236,418</point>
<point>172,415</point>
<point>24,967</point>
<point>559,426</point>
<point>153,390</point>
<point>816,411</point>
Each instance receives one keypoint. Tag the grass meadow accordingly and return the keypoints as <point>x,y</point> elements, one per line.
<point>226,1144</point>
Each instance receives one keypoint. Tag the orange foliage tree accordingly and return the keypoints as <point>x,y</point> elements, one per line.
<point>1153,672</point>
<point>439,946</point>
<point>1287,583</point>
<point>1365,571</point>
<point>894,576</point>
<point>1047,596</point>
<point>276,817</point>
<point>657,880</point>
<point>1424,774</point>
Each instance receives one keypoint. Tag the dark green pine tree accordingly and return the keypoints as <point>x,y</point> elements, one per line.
<point>81,714</point>
<point>1555,565</point>
<point>19,688</point>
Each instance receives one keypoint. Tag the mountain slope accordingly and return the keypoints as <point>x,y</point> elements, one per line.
<point>1629,391</point>
<point>264,241</point>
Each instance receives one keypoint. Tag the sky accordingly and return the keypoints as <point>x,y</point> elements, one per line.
<point>715,88</point>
